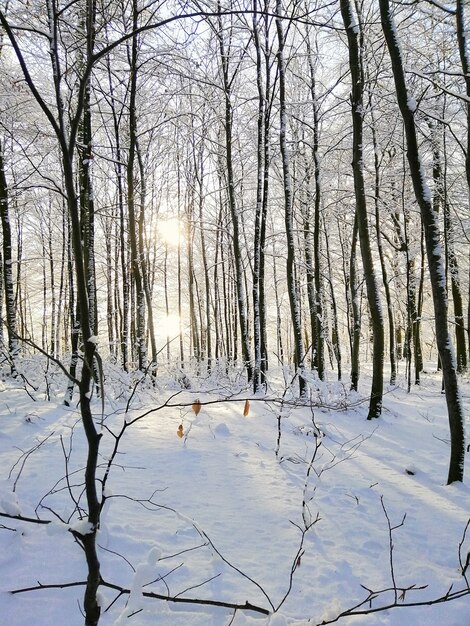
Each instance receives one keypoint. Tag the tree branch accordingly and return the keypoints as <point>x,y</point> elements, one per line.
<point>148,594</point>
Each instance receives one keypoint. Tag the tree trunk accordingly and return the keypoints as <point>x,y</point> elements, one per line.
<point>317,275</point>
<point>264,204</point>
<point>260,153</point>
<point>143,265</point>
<point>462,34</point>
<point>335,338</point>
<point>386,284</point>
<point>123,307</point>
<point>131,193</point>
<point>7,250</point>
<point>354,309</point>
<point>238,261</point>
<point>353,31</point>
<point>294,299</point>
<point>433,249</point>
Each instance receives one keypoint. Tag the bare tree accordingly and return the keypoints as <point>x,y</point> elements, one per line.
<point>433,248</point>
<point>7,264</point>
<point>294,299</point>
<point>353,30</point>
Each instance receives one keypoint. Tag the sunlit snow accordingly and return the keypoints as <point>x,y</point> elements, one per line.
<point>218,514</point>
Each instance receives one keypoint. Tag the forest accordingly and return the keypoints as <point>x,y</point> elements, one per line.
<point>217,211</point>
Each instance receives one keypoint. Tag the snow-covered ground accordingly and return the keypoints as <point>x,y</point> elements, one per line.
<point>221,512</point>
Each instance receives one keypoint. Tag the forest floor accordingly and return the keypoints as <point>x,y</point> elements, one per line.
<point>292,508</point>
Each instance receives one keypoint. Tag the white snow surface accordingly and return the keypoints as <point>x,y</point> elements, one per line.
<point>216,515</point>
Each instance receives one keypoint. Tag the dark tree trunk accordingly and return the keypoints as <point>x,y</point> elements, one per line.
<point>131,203</point>
<point>143,262</point>
<point>434,254</point>
<point>123,307</point>
<point>317,333</point>
<point>335,337</point>
<point>260,153</point>
<point>462,35</point>
<point>386,284</point>
<point>354,309</point>
<point>353,31</point>
<point>294,299</point>
<point>238,261</point>
<point>7,269</point>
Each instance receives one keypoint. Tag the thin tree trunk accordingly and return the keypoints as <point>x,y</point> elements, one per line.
<point>355,309</point>
<point>144,271</point>
<point>386,284</point>
<point>108,228</point>
<point>199,171</point>
<point>335,337</point>
<point>8,282</point>
<point>318,286</point>
<point>462,34</point>
<point>354,32</point>
<point>74,319</point>
<point>257,376</point>
<point>124,308</point>
<point>294,299</point>
<point>62,288</point>
<point>452,265</point>
<point>264,205</point>
<point>238,261</point>
<point>279,340</point>
<point>131,192</point>
<point>179,266</point>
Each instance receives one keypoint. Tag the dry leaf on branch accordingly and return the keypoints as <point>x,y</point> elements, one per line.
<point>196,406</point>
<point>246,410</point>
<point>179,432</point>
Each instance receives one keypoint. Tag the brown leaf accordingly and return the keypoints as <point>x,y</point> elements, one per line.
<point>180,432</point>
<point>196,407</point>
<point>246,410</point>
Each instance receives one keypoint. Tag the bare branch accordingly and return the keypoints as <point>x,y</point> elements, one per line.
<point>148,594</point>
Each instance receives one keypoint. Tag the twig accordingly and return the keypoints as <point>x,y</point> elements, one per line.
<point>24,457</point>
<point>465,566</point>
<point>117,554</point>
<point>204,582</point>
<point>234,567</point>
<point>22,518</point>
<point>67,456</point>
<point>356,610</point>
<point>390,544</point>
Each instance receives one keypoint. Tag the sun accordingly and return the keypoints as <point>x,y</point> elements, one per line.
<point>170,230</point>
<point>169,326</point>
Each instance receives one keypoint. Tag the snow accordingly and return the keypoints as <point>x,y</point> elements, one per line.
<point>9,504</point>
<point>412,105</point>
<point>82,527</point>
<point>427,195</point>
<point>218,515</point>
